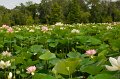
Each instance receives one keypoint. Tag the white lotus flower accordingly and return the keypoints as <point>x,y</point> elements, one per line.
<point>115,64</point>
<point>109,27</point>
<point>75,31</point>
<point>31,30</point>
<point>6,53</point>
<point>10,75</point>
<point>62,28</point>
<point>7,64</point>
<point>59,24</point>
<point>4,65</point>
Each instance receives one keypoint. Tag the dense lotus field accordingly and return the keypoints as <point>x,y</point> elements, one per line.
<point>60,51</point>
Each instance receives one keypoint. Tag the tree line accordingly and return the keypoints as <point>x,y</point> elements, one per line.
<point>65,11</point>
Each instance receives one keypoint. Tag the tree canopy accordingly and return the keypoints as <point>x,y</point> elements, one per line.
<point>66,11</point>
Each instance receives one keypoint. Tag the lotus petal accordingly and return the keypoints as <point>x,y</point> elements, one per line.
<point>118,60</point>
<point>111,68</point>
<point>113,61</point>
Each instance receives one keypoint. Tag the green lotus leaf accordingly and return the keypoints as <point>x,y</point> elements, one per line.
<point>67,66</point>
<point>47,56</point>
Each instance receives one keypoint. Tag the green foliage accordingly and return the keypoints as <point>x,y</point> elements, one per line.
<point>99,76</point>
<point>66,67</point>
<point>29,20</point>
<point>66,11</point>
<point>91,69</point>
<point>60,52</point>
<point>43,76</point>
<point>6,18</point>
<point>36,48</point>
<point>56,14</point>
<point>73,54</point>
<point>74,12</point>
<point>47,56</point>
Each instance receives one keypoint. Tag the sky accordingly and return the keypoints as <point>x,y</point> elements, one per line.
<point>10,4</point>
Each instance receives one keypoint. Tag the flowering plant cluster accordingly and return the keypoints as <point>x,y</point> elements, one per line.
<point>60,51</point>
<point>8,28</point>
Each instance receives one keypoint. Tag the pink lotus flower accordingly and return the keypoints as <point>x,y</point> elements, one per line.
<point>44,28</point>
<point>5,26</point>
<point>10,30</point>
<point>31,70</point>
<point>90,52</point>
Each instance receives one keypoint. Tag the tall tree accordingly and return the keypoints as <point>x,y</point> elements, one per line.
<point>44,11</point>
<point>56,13</point>
<point>74,12</point>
